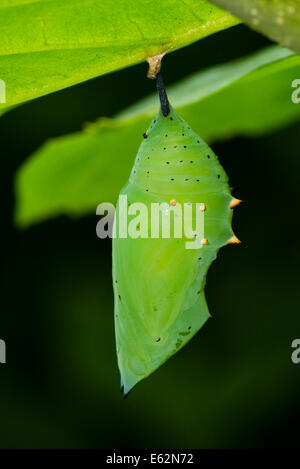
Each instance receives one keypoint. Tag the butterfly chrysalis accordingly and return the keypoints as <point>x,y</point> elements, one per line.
<point>159,283</point>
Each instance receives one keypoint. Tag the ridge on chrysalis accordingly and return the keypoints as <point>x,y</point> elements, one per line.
<point>158,283</point>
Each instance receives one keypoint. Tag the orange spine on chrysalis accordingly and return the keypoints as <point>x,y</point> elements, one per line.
<point>234,203</point>
<point>233,240</point>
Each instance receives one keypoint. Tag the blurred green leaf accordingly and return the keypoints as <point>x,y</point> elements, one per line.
<point>47,45</point>
<point>277,19</point>
<point>72,174</point>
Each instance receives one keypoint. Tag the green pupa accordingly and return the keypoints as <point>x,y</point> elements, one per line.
<point>158,283</point>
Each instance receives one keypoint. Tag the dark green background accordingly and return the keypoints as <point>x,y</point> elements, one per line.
<point>234,385</point>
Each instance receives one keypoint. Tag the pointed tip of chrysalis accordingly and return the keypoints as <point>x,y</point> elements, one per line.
<point>233,240</point>
<point>128,382</point>
<point>126,394</point>
<point>124,391</point>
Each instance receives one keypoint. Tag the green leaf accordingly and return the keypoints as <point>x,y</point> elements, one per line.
<point>47,45</point>
<point>277,19</point>
<point>71,175</point>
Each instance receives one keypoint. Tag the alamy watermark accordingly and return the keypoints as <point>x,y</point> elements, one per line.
<point>159,220</point>
<point>296,94</point>
<point>2,351</point>
<point>296,353</point>
<point>2,92</point>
